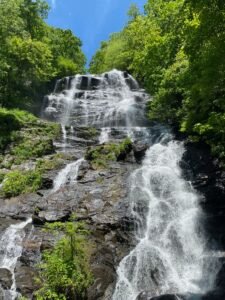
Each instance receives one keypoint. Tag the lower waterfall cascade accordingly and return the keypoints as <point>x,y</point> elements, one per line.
<point>170,256</point>
<point>167,250</point>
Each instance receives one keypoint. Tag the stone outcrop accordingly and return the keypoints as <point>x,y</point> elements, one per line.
<point>6,280</point>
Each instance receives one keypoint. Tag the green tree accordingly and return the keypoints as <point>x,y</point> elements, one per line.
<point>33,54</point>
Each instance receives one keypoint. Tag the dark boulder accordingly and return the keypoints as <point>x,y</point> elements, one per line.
<point>89,83</point>
<point>139,149</point>
<point>147,296</point>
<point>47,183</point>
<point>6,280</point>
<point>61,85</point>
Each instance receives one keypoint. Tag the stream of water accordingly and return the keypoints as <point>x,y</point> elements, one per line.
<point>11,247</point>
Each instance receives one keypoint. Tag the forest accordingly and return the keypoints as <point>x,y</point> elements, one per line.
<point>33,54</point>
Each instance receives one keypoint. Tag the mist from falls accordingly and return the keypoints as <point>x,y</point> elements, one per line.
<point>170,254</point>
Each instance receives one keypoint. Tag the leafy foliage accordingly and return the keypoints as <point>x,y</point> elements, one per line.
<point>65,271</point>
<point>32,54</point>
<point>24,137</point>
<point>99,156</point>
<point>20,182</point>
<point>176,49</point>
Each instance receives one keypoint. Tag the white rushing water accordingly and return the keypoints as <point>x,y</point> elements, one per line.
<point>67,175</point>
<point>170,255</point>
<point>111,103</point>
<point>11,247</point>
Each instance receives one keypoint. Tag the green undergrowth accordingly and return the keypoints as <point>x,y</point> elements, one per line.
<point>25,139</point>
<point>17,182</point>
<point>101,155</point>
<point>54,162</point>
<point>24,136</point>
<point>87,132</point>
<point>64,272</point>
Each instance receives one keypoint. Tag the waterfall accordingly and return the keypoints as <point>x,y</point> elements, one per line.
<point>67,175</point>
<point>110,100</point>
<point>171,255</point>
<point>11,248</point>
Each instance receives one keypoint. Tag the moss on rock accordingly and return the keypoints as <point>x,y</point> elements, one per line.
<point>100,155</point>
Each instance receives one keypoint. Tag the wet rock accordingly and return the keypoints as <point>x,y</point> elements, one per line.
<point>21,207</point>
<point>207,177</point>
<point>89,83</point>
<point>47,183</point>
<point>148,296</point>
<point>131,83</point>
<point>86,133</point>
<point>138,98</point>
<point>79,95</point>
<point>83,170</point>
<point>6,280</point>
<point>140,149</point>
<point>104,276</point>
<point>61,85</point>
<point>25,281</point>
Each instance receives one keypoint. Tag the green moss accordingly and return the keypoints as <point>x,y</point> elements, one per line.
<point>8,125</point>
<point>25,136</point>
<point>88,132</point>
<point>51,163</point>
<point>32,148</point>
<point>99,156</point>
<point>2,176</point>
<point>21,182</point>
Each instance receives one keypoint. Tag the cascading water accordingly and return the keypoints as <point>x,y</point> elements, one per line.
<point>109,101</point>
<point>10,250</point>
<point>170,255</point>
<point>67,175</point>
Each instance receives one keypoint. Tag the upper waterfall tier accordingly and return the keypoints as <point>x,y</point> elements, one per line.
<point>112,99</point>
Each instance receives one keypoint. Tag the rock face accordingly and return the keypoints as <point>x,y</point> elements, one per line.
<point>6,280</point>
<point>139,149</point>
<point>208,177</point>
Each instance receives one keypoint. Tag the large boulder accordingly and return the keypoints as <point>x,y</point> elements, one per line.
<point>140,149</point>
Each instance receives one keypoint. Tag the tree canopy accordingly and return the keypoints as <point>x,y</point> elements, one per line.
<point>32,53</point>
<point>176,49</point>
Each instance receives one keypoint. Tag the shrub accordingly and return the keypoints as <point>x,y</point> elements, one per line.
<point>31,148</point>
<point>100,155</point>
<point>65,272</point>
<point>20,182</point>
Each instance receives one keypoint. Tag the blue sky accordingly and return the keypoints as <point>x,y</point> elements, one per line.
<point>91,20</point>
